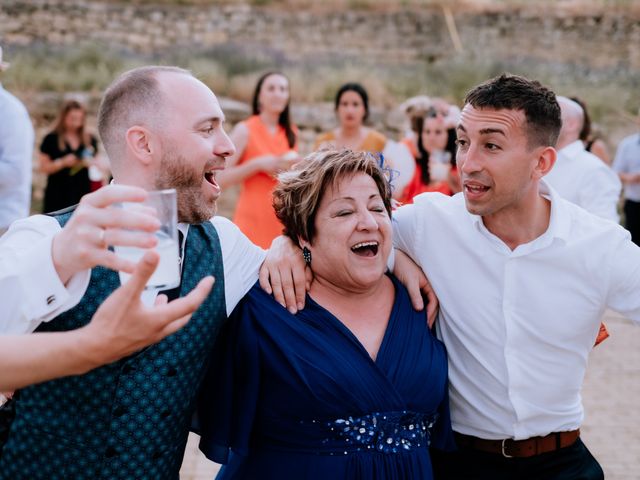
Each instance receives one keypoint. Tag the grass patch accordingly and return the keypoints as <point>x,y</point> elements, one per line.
<point>86,68</point>
<point>232,70</point>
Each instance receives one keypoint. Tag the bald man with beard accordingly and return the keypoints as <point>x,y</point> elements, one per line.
<point>162,128</point>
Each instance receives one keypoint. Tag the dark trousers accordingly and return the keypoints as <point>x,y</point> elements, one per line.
<point>632,219</point>
<point>570,463</point>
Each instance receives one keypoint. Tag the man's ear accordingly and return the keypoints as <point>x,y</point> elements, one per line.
<point>546,160</point>
<point>141,143</point>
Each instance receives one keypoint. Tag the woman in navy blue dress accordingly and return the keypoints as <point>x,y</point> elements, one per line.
<point>353,386</point>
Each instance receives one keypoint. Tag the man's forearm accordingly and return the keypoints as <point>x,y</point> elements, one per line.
<point>629,177</point>
<point>28,359</point>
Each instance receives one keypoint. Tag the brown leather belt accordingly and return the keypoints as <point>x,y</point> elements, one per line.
<point>519,448</point>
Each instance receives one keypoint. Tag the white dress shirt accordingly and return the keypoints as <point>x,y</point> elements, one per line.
<point>16,153</point>
<point>628,161</point>
<point>584,179</point>
<point>31,291</point>
<point>519,325</point>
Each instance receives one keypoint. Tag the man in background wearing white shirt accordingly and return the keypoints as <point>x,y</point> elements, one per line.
<point>162,128</point>
<point>16,150</point>
<point>578,175</point>
<point>627,166</point>
<point>523,278</point>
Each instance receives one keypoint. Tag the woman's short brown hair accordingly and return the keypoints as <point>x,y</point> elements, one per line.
<point>299,192</point>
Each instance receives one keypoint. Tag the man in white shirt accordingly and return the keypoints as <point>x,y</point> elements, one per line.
<point>162,128</point>
<point>523,278</point>
<point>16,150</point>
<point>578,175</point>
<point>627,166</point>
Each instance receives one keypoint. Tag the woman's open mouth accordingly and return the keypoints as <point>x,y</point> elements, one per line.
<point>365,249</point>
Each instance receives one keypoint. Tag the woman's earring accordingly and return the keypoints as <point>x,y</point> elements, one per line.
<point>306,254</point>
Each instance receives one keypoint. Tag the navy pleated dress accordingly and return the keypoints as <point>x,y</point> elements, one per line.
<point>298,396</point>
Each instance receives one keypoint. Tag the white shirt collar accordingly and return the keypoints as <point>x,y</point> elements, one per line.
<point>572,149</point>
<point>559,221</point>
<point>184,229</point>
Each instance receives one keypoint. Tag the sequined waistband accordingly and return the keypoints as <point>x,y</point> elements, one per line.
<point>386,432</point>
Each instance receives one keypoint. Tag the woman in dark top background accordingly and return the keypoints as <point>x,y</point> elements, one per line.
<point>65,155</point>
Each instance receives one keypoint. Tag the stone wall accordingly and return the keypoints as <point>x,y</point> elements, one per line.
<point>601,38</point>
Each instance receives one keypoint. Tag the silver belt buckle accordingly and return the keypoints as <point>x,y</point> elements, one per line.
<point>504,453</point>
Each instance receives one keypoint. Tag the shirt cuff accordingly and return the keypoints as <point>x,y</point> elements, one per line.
<point>47,295</point>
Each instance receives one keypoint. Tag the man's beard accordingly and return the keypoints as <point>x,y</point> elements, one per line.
<point>175,173</point>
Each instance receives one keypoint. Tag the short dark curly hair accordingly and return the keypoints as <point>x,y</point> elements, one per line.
<point>299,192</point>
<point>513,92</point>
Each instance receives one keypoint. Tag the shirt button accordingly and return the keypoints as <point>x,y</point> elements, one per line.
<point>127,369</point>
<point>156,455</point>
<point>172,372</point>
<point>165,414</point>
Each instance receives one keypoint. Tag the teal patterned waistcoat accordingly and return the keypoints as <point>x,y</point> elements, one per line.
<point>129,419</point>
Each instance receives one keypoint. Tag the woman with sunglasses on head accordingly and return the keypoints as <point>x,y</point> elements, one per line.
<point>435,159</point>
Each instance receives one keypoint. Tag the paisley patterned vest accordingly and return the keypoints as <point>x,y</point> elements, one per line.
<point>129,419</point>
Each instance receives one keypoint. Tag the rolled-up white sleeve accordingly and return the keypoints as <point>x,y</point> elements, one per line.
<point>241,260</point>
<point>30,290</point>
<point>404,229</point>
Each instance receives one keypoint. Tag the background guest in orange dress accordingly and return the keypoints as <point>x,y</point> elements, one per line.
<point>352,110</point>
<point>435,162</point>
<point>266,144</point>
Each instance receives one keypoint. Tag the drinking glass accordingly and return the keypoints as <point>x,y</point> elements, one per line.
<point>167,274</point>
